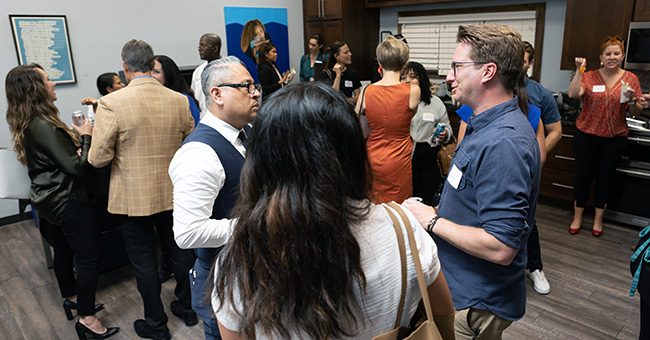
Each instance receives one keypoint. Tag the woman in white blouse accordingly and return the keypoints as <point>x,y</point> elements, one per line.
<point>310,256</point>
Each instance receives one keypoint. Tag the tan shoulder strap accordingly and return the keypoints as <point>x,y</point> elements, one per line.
<point>402,255</point>
<point>416,260</point>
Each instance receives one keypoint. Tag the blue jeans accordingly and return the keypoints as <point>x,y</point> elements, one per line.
<point>202,307</point>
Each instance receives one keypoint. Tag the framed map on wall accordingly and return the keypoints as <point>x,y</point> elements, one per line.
<point>44,39</point>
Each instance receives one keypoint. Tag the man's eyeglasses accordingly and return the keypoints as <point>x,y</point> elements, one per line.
<point>250,87</point>
<point>455,64</point>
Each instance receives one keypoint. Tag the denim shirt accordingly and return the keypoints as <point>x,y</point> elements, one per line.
<point>500,164</point>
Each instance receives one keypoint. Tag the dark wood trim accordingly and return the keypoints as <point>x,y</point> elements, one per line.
<point>393,3</point>
<point>540,16</point>
<point>14,218</point>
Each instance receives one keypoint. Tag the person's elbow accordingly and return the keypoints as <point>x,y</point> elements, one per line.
<point>182,236</point>
<point>503,255</point>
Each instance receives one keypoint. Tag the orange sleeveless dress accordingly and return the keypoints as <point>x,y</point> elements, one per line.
<point>389,141</point>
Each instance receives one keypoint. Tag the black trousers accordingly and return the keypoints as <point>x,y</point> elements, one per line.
<point>140,242</point>
<point>595,156</point>
<point>534,250</point>
<point>77,238</point>
<point>426,174</point>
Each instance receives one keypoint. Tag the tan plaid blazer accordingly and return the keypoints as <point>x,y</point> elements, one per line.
<point>139,128</point>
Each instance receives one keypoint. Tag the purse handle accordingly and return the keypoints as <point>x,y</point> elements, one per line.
<point>416,260</point>
<point>402,255</point>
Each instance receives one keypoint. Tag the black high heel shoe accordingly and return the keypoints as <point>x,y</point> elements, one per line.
<point>68,306</point>
<point>86,333</point>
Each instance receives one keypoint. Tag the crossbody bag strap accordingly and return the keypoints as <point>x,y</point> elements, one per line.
<point>362,108</point>
<point>402,255</point>
<point>416,260</point>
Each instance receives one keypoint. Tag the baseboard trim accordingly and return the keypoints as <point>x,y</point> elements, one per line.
<point>15,218</point>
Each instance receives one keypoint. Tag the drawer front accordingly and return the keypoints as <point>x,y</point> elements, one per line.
<point>557,184</point>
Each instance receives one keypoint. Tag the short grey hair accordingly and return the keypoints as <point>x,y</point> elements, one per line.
<point>217,72</point>
<point>137,55</point>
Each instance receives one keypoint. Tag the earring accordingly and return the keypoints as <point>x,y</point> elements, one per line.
<point>601,64</point>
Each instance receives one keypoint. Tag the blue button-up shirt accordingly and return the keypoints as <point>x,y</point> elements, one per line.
<point>500,164</point>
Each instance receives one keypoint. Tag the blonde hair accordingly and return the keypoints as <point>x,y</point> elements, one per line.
<point>392,54</point>
<point>248,33</point>
<point>27,98</point>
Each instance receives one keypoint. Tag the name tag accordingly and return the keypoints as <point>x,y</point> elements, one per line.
<point>454,176</point>
<point>348,83</point>
<point>427,117</point>
<point>598,88</point>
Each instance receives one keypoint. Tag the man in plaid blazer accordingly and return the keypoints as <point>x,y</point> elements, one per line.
<point>138,129</point>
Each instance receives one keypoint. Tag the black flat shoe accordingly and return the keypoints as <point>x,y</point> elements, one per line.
<point>68,306</point>
<point>85,333</point>
<point>143,330</point>
<point>187,315</point>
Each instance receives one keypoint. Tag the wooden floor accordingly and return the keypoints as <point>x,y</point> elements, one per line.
<point>589,280</point>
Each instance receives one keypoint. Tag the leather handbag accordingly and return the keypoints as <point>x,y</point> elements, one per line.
<point>426,330</point>
<point>14,181</point>
<point>444,157</point>
<point>363,119</point>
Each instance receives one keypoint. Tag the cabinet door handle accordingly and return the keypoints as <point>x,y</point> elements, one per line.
<point>640,174</point>
<point>562,185</point>
<point>642,141</point>
<point>565,158</point>
<point>564,135</point>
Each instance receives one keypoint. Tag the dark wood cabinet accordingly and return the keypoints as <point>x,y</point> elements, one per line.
<point>587,23</point>
<point>345,20</point>
<point>389,3</point>
<point>642,10</point>
<point>558,173</point>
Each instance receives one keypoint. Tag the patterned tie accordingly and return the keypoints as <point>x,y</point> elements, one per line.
<point>244,140</point>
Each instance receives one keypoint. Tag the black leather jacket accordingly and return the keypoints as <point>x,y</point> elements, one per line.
<point>56,171</point>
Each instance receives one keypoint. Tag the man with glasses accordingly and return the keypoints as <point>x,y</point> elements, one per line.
<point>205,172</point>
<point>138,129</point>
<point>487,206</point>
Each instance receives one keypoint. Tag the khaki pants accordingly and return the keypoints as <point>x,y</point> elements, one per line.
<point>476,324</point>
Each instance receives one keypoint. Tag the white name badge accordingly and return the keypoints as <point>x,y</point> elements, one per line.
<point>427,117</point>
<point>598,88</point>
<point>348,83</point>
<point>454,176</point>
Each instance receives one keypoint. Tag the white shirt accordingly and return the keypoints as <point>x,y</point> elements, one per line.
<point>426,118</point>
<point>197,88</point>
<point>198,175</point>
<point>381,265</point>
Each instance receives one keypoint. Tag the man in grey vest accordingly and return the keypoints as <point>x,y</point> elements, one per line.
<point>205,172</point>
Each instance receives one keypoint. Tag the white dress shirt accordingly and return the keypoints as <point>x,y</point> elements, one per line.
<point>197,88</point>
<point>198,176</point>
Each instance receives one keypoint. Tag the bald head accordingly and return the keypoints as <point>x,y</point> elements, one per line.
<point>210,47</point>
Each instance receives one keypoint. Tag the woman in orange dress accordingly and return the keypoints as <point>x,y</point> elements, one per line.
<point>389,105</point>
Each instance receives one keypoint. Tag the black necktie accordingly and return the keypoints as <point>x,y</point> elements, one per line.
<point>244,140</point>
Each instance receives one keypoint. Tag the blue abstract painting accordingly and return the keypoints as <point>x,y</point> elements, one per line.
<point>275,24</point>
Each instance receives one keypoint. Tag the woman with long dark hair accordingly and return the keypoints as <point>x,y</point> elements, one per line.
<point>270,77</point>
<point>61,190</point>
<point>168,74</point>
<point>343,77</point>
<point>310,256</point>
<point>430,112</point>
<point>315,56</point>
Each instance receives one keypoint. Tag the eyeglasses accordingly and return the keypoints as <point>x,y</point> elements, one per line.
<point>250,87</point>
<point>455,64</point>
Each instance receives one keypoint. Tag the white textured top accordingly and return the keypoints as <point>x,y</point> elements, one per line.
<point>198,176</point>
<point>380,261</point>
<point>197,88</point>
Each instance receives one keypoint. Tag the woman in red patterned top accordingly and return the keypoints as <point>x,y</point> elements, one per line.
<point>607,94</point>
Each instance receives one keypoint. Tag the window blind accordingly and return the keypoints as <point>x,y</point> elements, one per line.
<point>432,38</point>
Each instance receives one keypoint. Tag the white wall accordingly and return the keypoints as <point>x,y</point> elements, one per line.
<point>98,29</point>
<point>551,76</point>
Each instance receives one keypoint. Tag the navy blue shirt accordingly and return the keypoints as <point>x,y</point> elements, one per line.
<point>500,163</point>
<point>543,98</point>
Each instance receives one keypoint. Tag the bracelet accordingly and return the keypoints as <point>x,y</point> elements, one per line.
<point>432,224</point>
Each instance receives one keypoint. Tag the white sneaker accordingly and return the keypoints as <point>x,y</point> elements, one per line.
<point>540,284</point>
